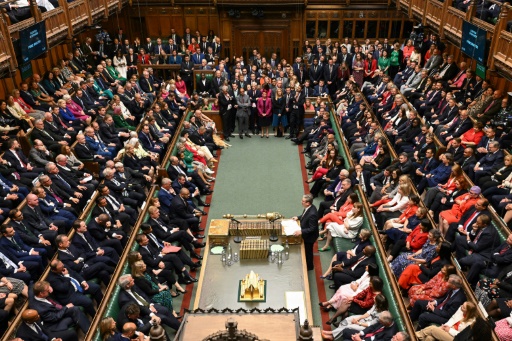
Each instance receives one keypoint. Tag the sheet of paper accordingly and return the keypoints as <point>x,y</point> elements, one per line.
<point>290,226</point>
<point>296,299</point>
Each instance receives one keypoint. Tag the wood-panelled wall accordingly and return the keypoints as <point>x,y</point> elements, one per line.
<point>39,66</point>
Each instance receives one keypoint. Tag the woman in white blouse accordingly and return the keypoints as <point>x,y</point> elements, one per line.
<point>463,318</point>
<point>395,207</point>
<point>351,225</point>
<point>359,322</point>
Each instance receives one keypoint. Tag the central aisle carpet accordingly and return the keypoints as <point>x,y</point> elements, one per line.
<point>257,176</point>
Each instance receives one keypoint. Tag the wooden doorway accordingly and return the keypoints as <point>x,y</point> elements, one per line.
<point>266,41</point>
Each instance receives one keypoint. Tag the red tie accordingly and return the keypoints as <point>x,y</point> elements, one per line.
<point>55,304</point>
<point>505,249</point>
<point>470,220</point>
<point>374,333</point>
<point>440,307</point>
<point>489,107</point>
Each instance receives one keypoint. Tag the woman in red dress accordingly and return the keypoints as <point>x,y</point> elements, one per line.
<point>433,289</point>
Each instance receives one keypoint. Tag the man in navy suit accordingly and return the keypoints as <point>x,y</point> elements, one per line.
<point>17,248</point>
<point>440,310</point>
<point>56,317</point>
<point>198,56</point>
<point>33,329</point>
<point>500,257</point>
<point>353,268</point>
<point>477,245</point>
<point>15,158</point>
<point>11,266</point>
<point>382,330</point>
<point>69,287</point>
<point>315,72</point>
<point>484,166</point>
<point>84,264</point>
<point>308,227</point>
<point>183,210</point>
<point>85,242</point>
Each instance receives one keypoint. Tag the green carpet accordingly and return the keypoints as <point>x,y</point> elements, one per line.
<point>257,176</point>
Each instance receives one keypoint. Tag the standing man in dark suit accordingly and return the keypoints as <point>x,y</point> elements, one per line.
<point>440,310</point>
<point>225,109</point>
<point>308,228</point>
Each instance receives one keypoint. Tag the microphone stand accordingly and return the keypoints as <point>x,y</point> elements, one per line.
<point>273,237</point>
<point>238,237</point>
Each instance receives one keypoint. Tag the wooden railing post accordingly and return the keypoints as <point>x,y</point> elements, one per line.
<point>34,9</point>
<point>6,41</point>
<point>501,25</point>
<point>64,5</point>
<point>446,4</point>
<point>471,10</point>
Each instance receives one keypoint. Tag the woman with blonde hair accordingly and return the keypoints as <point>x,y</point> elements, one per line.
<point>108,330</point>
<point>395,207</point>
<point>463,318</point>
<point>351,225</point>
<point>148,283</point>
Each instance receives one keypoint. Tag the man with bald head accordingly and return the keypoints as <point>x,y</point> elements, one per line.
<point>32,329</point>
<point>182,209</point>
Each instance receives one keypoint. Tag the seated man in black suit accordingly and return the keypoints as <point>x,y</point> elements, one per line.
<point>11,266</point>
<point>494,158</point>
<point>118,220</point>
<point>84,152</point>
<point>130,293</point>
<point>78,176</point>
<point>176,168</point>
<point>133,178</point>
<point>115,203</point>
<point>382,330</point>
<point>53,141</point>
<point>130,195</point>
<point>131,313</point>
<point>182,182</point>
<point>106,233</point>
<point>172,233</point>
<point>83,241</point>
<point>69,287</point>
<point>56,317</point>
<point>17,160</point>
<point>28,236</point>
<point>32,329</point>
<point>352,269</point>
<point>180,208</point>
<point>152,252</point>
<point>14,246</point>
<point>440,310</point>
<point>88,268</point>
<point>34,219</point>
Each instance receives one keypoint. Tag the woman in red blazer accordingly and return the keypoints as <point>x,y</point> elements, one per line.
<point>370,65</point>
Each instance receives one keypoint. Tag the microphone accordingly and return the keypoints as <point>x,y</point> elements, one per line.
<point>238,237</point>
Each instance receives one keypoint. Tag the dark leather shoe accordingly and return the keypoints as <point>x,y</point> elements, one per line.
<point>220,147</point>
<point>241,136</point>
<point>196,256</point>
<point>226,139</point>
<point>199,245</point>
<point>206,205</point>
<point>184,280</point>
<point>249,136</point>
<point>204,213</point>
<point>231,135</point>
<point>196,265</point>
<point>199,236</point>
<point>288,137</point>
<point>192,279</point>
<point>332,286</point>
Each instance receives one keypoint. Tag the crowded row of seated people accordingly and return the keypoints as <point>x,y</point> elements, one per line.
<point>419,253</point>
<point>74,117</point>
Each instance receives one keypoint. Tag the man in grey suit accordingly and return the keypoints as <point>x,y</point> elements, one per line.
<point>243,112</point>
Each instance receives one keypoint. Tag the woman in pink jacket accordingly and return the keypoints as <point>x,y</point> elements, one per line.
<point>264,107</point>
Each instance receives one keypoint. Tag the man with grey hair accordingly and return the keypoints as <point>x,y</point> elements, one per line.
<point>335,198</point>
<point>308,221</point>
<point>401,336</point>
<point>440,310</point>
<point>131,293</point>
<point>382,330</point>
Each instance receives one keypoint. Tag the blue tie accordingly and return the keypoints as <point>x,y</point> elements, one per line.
<point>76,284</point>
